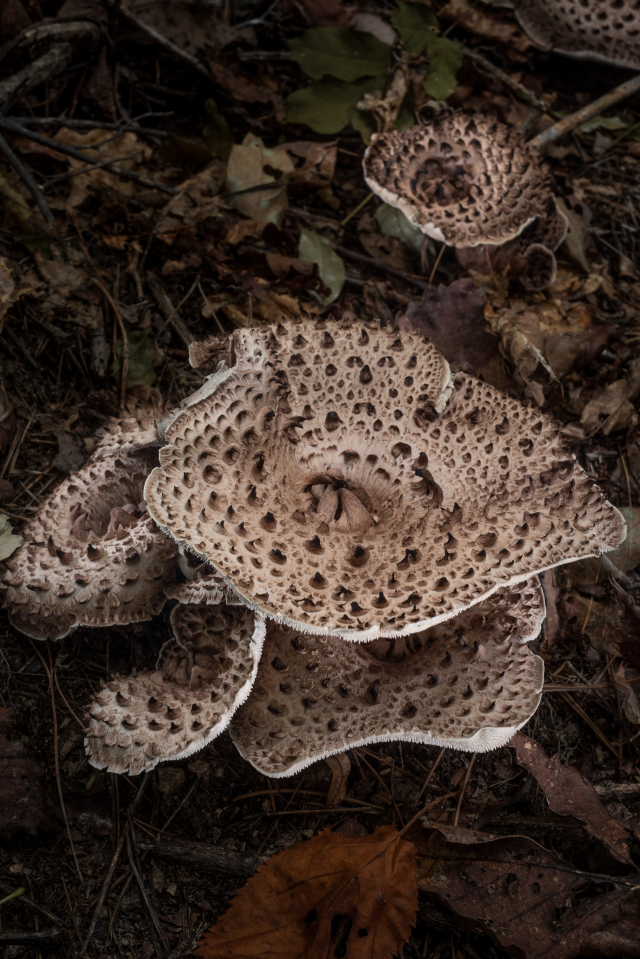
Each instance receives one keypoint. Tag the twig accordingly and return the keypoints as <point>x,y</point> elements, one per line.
<point>132,852</point>
<point>71,909</point>
<point>580,711</point>
<point>382,783</point>
<point>518,88</point>
<point>56,758</point>
<point>164,42</point>
<point>25,901</point>
<point>431,772</point>
<point>110,871</point>
<point>464,786</point>
<point>169,311</point>
<point>30,183</point>
<point>380,266</point>
<point>13,126</point>
<point>586,113</point>
<point>179,807</point>
<point>79,721</point>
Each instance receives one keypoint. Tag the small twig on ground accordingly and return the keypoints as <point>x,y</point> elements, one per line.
<point>431,772</point>
<point>110,871</point>
<point>569,123</point>
<point>30,183</point>
<point>25,901</point>
<point>132,851</point>
<point>56,759</point>
<point>383,784</point>
<point>518,88</point>
<point>164,42</point>
<point>380,266</point>
<point>464,786</point>
<point>169,311</point>
<point>13,126</point>
<point>182,803</point>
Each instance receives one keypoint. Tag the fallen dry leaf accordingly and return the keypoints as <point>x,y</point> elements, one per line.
<point>196,201</point>
<point>521,341</point>
<point>252,165</point>
<point>453,316</point>
<point>610,627</point>
<point>479,21</point>
<point>628,692</point>
<point>527,899</point>
<point>340,766</point>
<point>333,895</point>
<point>569,793</point>
<point>313,163</point>
<point>610,410</point>
<point>22,790</point>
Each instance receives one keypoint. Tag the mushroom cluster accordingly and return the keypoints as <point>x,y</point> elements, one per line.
<point>379,523</point>
<point>471,182</point>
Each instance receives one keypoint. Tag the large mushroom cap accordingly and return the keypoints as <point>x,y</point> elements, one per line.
<point>201,677</point>
<point>332,484</point>
<point>469,684</point>
<point>92,556</point>
<point>604,30</point>
<point>464,179</point>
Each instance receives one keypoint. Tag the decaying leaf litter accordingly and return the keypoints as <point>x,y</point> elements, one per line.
<point>177,172</point>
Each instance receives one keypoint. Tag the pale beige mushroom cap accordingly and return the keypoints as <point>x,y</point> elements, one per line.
<point>464,179</point>
<point>468,684</point>
<point>603,30</point>
<point>92,556</point>
<point>337,490</point>
<point>200,679</point>
<point>345,503</point>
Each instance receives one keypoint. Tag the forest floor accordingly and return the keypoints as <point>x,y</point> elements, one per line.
<point>167,247</point>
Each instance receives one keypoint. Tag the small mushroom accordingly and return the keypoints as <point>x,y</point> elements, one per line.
<point>469,684</point>
<point>598,30</point>
<point>200,679</point>
<point>92,555</point>
<point>343,484</point>
<point>465,178</point>
<point>202,585</point>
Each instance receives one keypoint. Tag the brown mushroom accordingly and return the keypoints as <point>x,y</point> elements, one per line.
<point>92,555</point>
<point>200,679</point>
<point>601,30</point>
<point>135,430</point>
<point>339,486</point>
<point>465,178</point>
<point>469,683</point>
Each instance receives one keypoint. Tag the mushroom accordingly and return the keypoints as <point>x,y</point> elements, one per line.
<point>589,30</point>
<point>464,179</point>
<point>469,683</point>
<point>340,487</point>
<point>92,555</point>
<point>201,677</point>
<point>470,181</point>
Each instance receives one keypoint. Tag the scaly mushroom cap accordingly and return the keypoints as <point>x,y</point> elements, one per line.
<point>92,556</point>
<point>468,684</point>
<point>464,179</point>
<point>201,678</point>
<point>332,484</point>
<point>203,585</point>
<point>133,431</point>
<point>603,30</point>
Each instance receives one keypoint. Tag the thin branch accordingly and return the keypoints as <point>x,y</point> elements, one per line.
<point>586,113</point>
<point>30,183</point>
<point>56,758</point>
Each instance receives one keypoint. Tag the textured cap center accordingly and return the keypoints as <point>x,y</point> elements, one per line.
<point>337,501</point>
